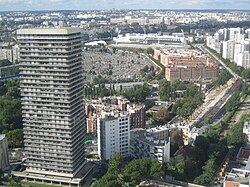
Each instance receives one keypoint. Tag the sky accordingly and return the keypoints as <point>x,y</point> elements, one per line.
<point>22,5</point>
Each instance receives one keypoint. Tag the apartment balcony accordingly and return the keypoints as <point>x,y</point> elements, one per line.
<point>48,166</point>
<point>46,101</point>
<point>43,151</point>
<point>51,156</point>
<point>49,135</point>
<point>47,139</point>
<point>49,130</point>
<point>50,41</point>
<point>47,55</point>
<point>36,94</point>
<point>32,110</point>
<point>52,104</point>
<point>41,68</point>
<point>46,120</point>
<point>51,66</point>
<point>62,89</point>
<point>25,46</point>
<point>30,59</point>
<point>46,145</point>
<point>52,50</point>
<point>31,143</point>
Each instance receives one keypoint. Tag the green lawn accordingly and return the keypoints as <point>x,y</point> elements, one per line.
<point>32,184</point>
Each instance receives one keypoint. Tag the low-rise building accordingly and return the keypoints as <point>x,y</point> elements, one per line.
<point>186,65</point>
<point>156,39</point>
<point>151,143</point>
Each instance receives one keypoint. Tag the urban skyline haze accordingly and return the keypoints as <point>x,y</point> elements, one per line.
<point>23,5</point>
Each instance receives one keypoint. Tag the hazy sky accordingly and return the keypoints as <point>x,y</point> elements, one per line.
<point>8,5</point>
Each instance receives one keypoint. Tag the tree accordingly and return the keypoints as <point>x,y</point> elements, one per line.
<point>15,137</point>
<point>109,180</point>
<point>208,171</point>
<point>163,114</point>
<point>223,78</point>
<point>177,137</point>
<point>175,167</point>
<point>150,51</point>
<point>115,163</point>
<point>152,68</point>
<point>5,63</point>
<point>233,103</point>
<point>132,173</point>
<point>137,93</point>
<point>155,168</point>
<point>146,68</point>
<point>10,105</point>
<point>14,184</point>
<point>245,74</point>
<point>164,90</point>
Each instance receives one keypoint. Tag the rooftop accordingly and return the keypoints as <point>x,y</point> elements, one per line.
<point>140,134</point>
<point>243,154</point>
<point>53,31</point>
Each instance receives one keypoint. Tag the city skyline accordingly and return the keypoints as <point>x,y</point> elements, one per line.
<point>29,5</point>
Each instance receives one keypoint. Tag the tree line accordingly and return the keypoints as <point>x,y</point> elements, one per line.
<point>10,112</point>
<point>137,93</point>
<point>130,174</point>
<point>186,96</point>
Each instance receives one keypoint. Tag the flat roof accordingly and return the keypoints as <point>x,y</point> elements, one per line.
<point>139,134</point>
<point>53,31</point>
<point>244,153</point>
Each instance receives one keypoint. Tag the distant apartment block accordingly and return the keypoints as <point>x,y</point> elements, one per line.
<point>9,52</point>
<point>186,64</point>
<point>4,158</point>
<point>141,20</point>
<point>233,44</point>
<point>113,135</point>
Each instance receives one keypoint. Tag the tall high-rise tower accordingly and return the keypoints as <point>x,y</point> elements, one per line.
<point>52,105</point>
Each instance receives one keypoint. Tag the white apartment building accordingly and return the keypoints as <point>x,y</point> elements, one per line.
<point>4,157</point>
<point>113,135</point>
<point>10,53</point>
<point>243,59</point>
<point>228,49</point>
<point>233,43</point>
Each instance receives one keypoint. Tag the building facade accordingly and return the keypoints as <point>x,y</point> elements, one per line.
<point>52,93</point>
<point>151,143</point>
<point>95,108</point>
<point>113,135</point>
<point>10,53</point>
<point>4,158</point>
<point>191,73</point>
<point>186,64</point>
